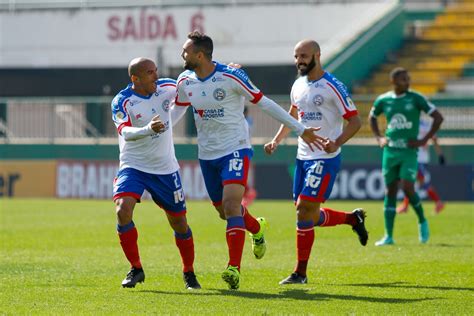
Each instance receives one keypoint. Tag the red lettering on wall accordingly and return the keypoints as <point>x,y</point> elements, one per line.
<point>170,28</point>
<point>144,26</point>
<point>197,22</point>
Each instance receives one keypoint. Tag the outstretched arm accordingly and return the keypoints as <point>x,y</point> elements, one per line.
<point>276,111</point>
<point>280,135</point>
<point>177,113</point>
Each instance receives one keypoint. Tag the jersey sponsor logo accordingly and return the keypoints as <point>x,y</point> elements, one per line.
<point>408,107</point>
<point>311,116</point>
<point>318,100</point>
<point>397,143</point>
<point>138,116</point>
<point>165,105</point>
<point>210,113</point>
<point>219,94</point>
<point>399,121</point>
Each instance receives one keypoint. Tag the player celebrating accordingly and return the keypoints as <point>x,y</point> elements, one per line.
<point>318,99</point>
<point>217,94</point>
<point>141,113</point>
<point>423,160</point>
<point>402,109</point>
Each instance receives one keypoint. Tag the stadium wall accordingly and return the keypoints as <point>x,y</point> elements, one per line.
<point>87,171</point>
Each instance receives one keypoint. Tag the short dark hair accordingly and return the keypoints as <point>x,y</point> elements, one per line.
<point>397,71</point>
<point>202,43</point>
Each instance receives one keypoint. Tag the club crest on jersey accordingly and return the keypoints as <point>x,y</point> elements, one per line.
<point>219,94</point>
<point>318,100</point>
<point>165,105</point>
<point>119,115</point>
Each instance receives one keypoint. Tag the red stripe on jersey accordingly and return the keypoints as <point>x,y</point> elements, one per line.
<point>256,95</point>
<point>181,80</point>
<point>181,103</point>
<point>350,114</point>
<point>168,85</point>
<point>128,122</point>
<point>339,96</point>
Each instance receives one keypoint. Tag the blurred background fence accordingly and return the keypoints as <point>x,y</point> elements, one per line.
<point>89,120</point>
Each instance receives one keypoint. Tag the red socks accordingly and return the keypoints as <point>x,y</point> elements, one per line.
<point>251,223</point>
<point>433,194</point>
<point>128,241</point>
<point>235,236</point>
<point>330,217</point>
<point>185,244</point>
<point>304,243</point>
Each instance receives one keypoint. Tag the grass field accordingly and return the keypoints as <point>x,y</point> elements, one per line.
<point>63,257</point>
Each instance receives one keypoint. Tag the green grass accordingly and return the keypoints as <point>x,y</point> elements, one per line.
<point>63,257</point>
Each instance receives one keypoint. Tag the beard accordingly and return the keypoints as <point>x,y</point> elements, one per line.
<point>309,67</point>
<point>189,65</point>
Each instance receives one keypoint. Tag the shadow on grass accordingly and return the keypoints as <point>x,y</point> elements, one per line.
<point>408,285</point>
<point>450,245</point>
<point>295,294</point>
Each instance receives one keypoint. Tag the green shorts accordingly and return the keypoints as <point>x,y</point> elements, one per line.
<point>399,164</point>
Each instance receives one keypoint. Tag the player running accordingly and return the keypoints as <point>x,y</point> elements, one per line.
<point>216,94</point>
<point>318,99</point>
<point>402,108</point>
<point>141,113</point>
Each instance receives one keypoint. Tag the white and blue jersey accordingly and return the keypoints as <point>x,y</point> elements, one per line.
<point>155,153</point>
<point>218,105</point>
<point>321,103</point>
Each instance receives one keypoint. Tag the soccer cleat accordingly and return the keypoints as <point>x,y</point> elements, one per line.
<point>294,278</point>
<point>359,227</point>
<point>231,275</point>
<point>259,246</point>
<point>133,277</point>
<point>402,209</point>
<point>190,281</point>
<point>424,232</point>
<point>439,207</point>
<point>385,241</point>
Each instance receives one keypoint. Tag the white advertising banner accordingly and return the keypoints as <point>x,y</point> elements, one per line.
<point>251,35</point>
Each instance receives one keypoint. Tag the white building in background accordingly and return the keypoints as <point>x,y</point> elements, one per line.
<point>111,37</point>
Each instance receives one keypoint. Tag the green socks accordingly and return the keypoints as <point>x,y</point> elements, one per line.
<point>415,202</point>
<point>389,214</point>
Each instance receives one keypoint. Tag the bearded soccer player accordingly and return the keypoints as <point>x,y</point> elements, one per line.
<point>402,108</point>
<point>216,94</point>
<point>141,113</point>
<point>318,99</point>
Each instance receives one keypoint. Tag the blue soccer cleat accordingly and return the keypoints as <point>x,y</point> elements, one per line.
<point>424,232</point>
<point>386,240</point>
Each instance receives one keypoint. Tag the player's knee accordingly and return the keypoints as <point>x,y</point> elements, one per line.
<point>305,211</point>
<point>232,207</point>
<point>179,224</point>
<point>124,210</point>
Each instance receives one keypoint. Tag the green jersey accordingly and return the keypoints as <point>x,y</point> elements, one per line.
<point>403,115</point>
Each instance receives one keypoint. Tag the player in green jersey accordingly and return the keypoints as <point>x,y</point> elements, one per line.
<point>402,108</point>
